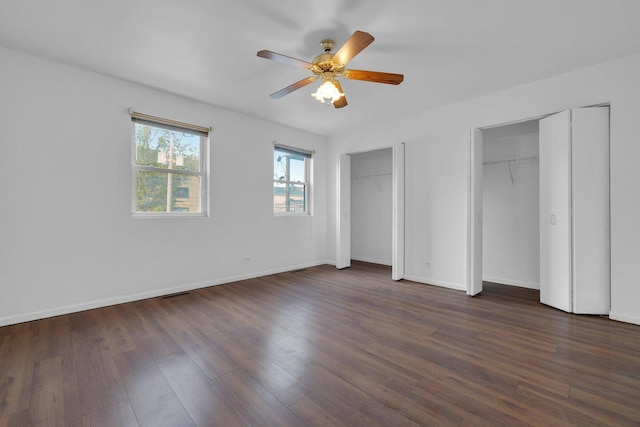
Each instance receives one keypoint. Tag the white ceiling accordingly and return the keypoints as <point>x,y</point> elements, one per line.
<point>448,50</point>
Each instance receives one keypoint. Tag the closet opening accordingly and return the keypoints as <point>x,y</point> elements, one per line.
<point>370,211</point>
<point>372,206</point>
<point>510,205</point>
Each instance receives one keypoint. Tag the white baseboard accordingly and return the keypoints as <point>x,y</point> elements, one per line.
<point>455,286</point>
<point>74,308</point>
<point>511,282</point>
<point>624,318</point>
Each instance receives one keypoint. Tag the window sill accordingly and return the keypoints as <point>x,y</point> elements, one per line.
<point>167,215</point>
<point>284,215</point>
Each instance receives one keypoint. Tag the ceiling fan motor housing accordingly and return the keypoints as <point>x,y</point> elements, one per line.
<point>327,45</point>
<point>323,63</point>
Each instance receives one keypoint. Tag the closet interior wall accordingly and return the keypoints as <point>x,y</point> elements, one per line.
<point>511,240</point>
<point>371,206</point>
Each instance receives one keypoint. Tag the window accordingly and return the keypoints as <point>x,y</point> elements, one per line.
<point>169,167</point>
<point>291,172</point>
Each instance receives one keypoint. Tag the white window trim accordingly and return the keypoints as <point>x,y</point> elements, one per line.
<point>307,183</point>
<point>203,174</point>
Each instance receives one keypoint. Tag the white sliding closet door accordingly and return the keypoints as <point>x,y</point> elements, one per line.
<point>555,211</point>
<point>591,225</point>
<point>343,220</point>
<point>397,228</point>
<point>474,243</point>
<point>574,211</point>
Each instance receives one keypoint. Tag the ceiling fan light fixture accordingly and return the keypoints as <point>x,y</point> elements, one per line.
<point>327,93</point>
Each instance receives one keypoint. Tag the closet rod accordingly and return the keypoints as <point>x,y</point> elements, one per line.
<point>515,159</point>
<point>371,176</point>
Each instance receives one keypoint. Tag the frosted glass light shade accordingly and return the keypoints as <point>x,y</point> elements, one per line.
<point>327,93</point>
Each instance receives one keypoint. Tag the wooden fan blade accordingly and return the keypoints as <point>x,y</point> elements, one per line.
<point>374,76</point>
<point>342,102</point>
<point>356,43</point>
<point>267,54</point>
<point>297,85</point>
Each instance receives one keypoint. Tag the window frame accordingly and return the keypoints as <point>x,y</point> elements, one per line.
<point>203,173</point>
<point>308,169</point>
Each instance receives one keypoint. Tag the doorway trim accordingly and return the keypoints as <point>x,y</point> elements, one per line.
<point>343,217</point>
<point>474,203</point>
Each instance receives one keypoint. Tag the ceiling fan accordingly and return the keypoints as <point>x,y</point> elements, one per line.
<point>328,66</point>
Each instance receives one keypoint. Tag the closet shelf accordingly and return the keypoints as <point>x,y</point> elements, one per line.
<point>515,159</point>
<point>370,176</point>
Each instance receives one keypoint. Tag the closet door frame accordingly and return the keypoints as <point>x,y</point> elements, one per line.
<point>343,211</point>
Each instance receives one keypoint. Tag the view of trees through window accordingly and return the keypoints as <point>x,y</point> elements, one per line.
<point>168,169</point>
<point>290,181</point>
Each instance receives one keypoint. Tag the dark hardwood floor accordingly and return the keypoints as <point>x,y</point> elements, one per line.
<point>323,347</point>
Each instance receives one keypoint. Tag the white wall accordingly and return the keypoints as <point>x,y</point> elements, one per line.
<point>510,213</point>
<point>371,206</point>
<point>437,161</point>
<point>68,241</point>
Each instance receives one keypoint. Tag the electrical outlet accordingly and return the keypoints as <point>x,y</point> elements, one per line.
<point>427,264</point>
<point>247,259</point>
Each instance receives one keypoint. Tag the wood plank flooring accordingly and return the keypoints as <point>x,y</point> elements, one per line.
<point>322,347</point>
